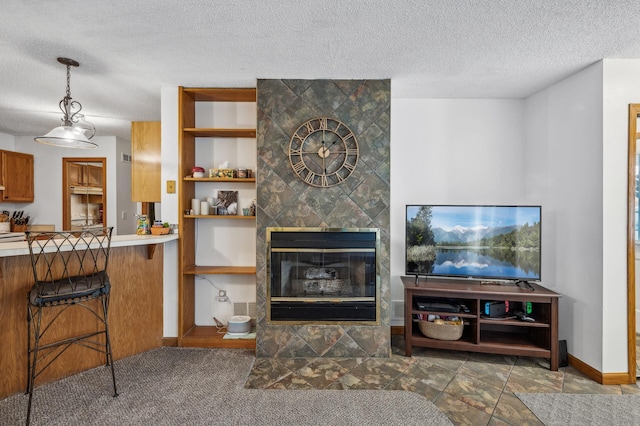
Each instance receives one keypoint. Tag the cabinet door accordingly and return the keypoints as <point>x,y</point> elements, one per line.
<point>17,176</point>
<point>145,164</point>
<point>93,176</point>
<point>75,174</point>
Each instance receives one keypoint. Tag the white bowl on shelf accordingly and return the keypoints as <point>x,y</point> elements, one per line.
<point>198,174</point>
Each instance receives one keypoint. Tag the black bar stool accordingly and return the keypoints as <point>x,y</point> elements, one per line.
<point>70,271</point>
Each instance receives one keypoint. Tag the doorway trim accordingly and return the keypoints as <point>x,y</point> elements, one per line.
<point>66,208</point>
<point>634,113</point>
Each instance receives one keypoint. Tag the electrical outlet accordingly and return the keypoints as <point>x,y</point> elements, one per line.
<point>171,187</point>
<point>124,215</point>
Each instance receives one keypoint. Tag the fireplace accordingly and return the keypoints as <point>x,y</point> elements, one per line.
<point>323,275</point>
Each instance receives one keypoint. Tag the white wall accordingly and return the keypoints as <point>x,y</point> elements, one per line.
<point>124,207</point>
<point>621,88</point>
<point>7,142</point>
<point>452,151</point>
<point>564,151</point>
<point>170,158</point>
<point>47,207</point>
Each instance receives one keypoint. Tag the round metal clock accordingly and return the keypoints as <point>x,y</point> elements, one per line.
<point>323,152</point>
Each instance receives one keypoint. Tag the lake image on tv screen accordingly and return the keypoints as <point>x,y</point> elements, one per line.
<point>500,242</point>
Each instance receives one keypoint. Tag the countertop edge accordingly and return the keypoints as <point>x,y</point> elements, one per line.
<point>20,248</point>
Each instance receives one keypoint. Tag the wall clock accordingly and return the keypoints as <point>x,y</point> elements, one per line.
<point>323,152</point>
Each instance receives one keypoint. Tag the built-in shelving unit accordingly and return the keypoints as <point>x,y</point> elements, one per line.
<point>191,334</point>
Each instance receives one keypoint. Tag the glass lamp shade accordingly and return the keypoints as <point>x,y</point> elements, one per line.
<point>67,137</point>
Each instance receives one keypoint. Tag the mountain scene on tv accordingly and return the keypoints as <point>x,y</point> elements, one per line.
<point>499,242</point>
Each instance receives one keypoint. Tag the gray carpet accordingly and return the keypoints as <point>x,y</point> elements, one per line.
<point>172,386</point>
<point>571,409</point>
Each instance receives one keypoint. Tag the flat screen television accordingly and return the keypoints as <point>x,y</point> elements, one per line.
<point>486,242</point>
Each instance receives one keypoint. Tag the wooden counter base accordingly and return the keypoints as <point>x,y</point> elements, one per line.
<point>135,316</point>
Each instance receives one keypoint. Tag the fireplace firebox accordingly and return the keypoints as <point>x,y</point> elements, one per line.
<point>323,275</point>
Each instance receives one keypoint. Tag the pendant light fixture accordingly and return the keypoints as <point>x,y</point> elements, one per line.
<point>73,133</point>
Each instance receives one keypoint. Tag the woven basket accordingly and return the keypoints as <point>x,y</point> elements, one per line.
<point>159,230</point>
<point>441,331</point>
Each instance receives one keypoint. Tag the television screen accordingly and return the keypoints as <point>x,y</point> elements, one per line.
<point>491,242</point>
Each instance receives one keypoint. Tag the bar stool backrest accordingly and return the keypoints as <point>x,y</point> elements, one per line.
<point>69,264</point>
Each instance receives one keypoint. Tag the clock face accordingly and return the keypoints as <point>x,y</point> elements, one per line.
<point>323,152</point>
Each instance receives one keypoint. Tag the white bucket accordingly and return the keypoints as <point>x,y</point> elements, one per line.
<point>239,324</point>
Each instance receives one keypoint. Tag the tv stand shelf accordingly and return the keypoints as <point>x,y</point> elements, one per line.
<point>508,337</point>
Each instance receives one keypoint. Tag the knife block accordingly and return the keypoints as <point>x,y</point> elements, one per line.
<point>17,228</point>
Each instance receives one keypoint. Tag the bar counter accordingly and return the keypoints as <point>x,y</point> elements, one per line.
<point>135,310</point>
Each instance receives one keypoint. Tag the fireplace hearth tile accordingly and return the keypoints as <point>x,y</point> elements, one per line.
<point>296,347</point>
<point>321,372</point>
<point>373,340</point>
<point>414,385</point>
<point>351,382</point>
<point>320,338</point>
<point>292,381</point>
<point>378,372</point>
<point>266,371</point>
<point>345,347</point>
<point>273,339</point>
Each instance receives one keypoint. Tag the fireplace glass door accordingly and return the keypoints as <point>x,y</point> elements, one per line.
<point>323,276</point>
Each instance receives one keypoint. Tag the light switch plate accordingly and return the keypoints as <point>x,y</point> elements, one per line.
<point>171,187</point>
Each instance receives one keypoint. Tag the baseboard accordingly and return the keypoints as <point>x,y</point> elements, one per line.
<point>583,367</point>
<point>397,330</point>
<point>169,341</point>
<point>602,378</point>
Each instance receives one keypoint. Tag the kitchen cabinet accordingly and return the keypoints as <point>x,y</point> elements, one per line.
<point>16,171</point>
<point>145,161</point>
<point>85,174</point>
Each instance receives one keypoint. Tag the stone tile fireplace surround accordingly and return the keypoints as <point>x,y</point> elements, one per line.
<point>361,201</point>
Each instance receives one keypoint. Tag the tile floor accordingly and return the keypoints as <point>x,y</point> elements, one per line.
<point>470,388</point>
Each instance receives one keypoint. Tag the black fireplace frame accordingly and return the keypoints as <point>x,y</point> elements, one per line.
<point>344,312</point>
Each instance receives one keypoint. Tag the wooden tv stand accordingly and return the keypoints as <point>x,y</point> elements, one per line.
<point>481,334</point>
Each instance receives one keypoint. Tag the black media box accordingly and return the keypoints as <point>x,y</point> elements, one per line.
<point>495,309</point>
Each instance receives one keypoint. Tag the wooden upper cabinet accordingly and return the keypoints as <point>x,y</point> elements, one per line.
<point>146,161</point>
<point>17,176</point>
<point>85,175</point>
<point>75,174</point>
<point>93,176</point>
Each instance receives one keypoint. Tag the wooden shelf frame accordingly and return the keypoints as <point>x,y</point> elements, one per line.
<point>220,133</point>
<point>218,216</point>
<point>219,270</point>
<point>190,334</point>
<point>242,180</point>
<point>206,336</point>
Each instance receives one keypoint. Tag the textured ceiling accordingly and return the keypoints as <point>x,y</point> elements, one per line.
<point>129,49</point>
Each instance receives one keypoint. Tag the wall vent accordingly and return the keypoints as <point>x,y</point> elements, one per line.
<point>245,308</point>
<point>397,310</point>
